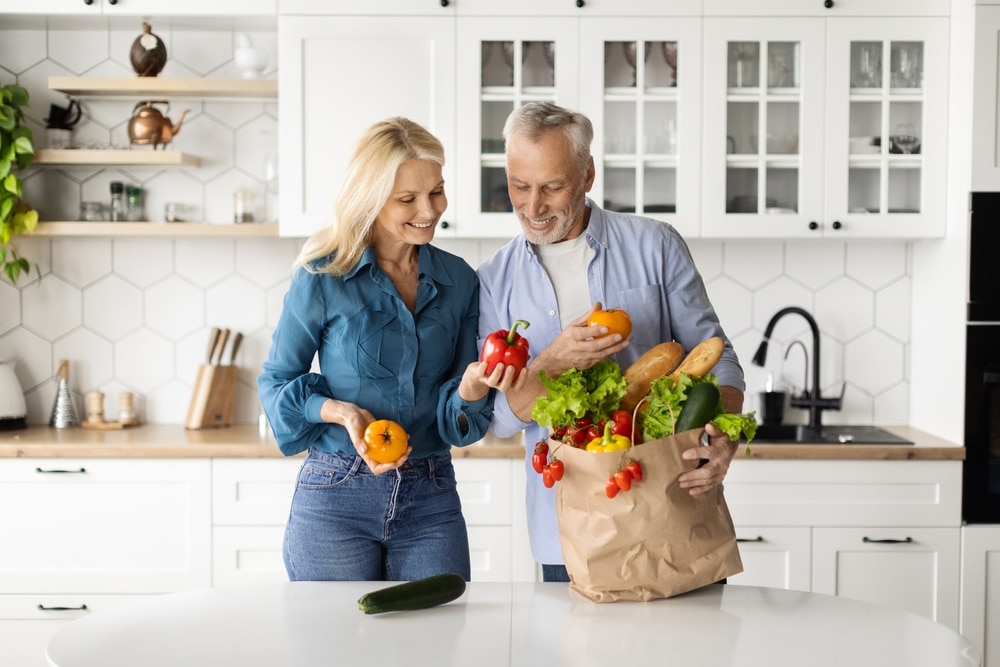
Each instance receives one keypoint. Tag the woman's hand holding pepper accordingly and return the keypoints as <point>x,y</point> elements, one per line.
<point>476,383</point>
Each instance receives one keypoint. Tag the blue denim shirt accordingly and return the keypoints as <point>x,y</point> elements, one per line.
<point>374,352</point>
<point>639,264</point>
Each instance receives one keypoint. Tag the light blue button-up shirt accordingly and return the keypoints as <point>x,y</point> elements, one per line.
<point>374,352</point>
<point>639,264</point>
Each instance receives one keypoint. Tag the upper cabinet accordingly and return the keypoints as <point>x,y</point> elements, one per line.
<point>142,7</point>
<point>825,126</point>
<point>985,109</point>
<point>341,74</point>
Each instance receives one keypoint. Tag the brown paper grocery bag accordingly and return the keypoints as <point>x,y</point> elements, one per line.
<point>652,541</point>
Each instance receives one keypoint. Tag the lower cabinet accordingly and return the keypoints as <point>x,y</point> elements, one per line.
<point>80,534</point>
<point>981,590</point>
<point>885,532</point>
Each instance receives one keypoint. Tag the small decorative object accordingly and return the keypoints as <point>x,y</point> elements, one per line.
<point>175,212</point>
<point>92,211</point>
<point>250,59</point>
<point>149,126</point>
<point>244,204</point>
<point>133,203</point>
<point>149,53</point>
<point>63,413</point>
<point>95,413</point>
<point>117,201</point>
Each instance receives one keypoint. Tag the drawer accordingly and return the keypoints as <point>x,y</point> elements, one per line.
<point>247,555</point>
<point>485,486</point>
<point>253,492</point>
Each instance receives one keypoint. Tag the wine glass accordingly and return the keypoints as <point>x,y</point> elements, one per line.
<point>670,55</point>
<point>906,139</point>
<point>630,57</point>
<point>508,58</point>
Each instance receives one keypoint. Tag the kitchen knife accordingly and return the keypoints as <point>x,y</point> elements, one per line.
<point>213,339</point>
<point>219,347</point>
<point>237,339</point>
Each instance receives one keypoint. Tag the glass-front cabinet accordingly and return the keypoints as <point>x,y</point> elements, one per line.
<point>831,127</point>
<point>503,64</point>
<point>641,87</point>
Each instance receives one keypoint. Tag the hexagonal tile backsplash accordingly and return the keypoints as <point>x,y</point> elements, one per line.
<point>134,314</point>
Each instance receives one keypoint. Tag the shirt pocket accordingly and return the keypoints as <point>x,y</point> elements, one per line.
<point>648,317</point>
<point>374,343</point>
<point>438,343</point>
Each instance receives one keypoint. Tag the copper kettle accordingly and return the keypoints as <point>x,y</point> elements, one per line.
<point>149,126</point>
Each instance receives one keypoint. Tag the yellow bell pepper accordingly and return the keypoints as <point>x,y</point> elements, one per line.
<point>609,442</point>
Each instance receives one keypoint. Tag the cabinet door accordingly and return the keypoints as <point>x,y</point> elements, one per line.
<point>981,590</point>
<point>142,7</point>
<point>104,526</point>
<point>774,557</point>
<point>643,93</point>
<point>985,107</point>
<point>253,492</point>
<point>503,63</point>
<point>247,555</point>
<point>353,7</point>
<point>339,75</point>
<point>886,120</point>
<point>914,569</point>
<point>763,127</point>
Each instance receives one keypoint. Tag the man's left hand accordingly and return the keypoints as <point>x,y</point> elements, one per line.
<point>716,457</point>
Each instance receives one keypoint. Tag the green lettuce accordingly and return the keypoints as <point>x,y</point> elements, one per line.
<point>594,393</point>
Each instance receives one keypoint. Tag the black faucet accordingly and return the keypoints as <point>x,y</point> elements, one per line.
<point>811,399</point>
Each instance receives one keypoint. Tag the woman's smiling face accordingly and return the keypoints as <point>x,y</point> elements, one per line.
<point>415,205</point>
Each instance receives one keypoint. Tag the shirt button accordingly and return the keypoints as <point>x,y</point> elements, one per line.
<point>552,313</point>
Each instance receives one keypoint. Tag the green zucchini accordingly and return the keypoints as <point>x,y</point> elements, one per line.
<point>418,594</point>
<point>699,407</point>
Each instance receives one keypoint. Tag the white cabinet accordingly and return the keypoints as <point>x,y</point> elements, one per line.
<point>881,531</point>
<point>492,492</point>
<point>250,502</point>
<point>824,126</point>
<point>142,7</point>
<point>981,590</point>
<point>985,89</point>
<point>341,74</point>
<point>80,534</point>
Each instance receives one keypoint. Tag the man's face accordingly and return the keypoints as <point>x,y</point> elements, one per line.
<point>547,188</point>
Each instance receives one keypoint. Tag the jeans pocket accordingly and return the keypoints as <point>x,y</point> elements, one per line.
<point>443,475</point>
<point>321,474</point>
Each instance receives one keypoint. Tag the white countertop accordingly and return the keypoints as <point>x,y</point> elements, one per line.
<point>319,623</point>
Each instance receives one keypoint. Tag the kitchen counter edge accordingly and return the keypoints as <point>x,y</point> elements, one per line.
<point>246,441</point>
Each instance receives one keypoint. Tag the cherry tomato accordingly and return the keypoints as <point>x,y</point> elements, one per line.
<point>635,469</point>
<point>623,478</point>
<point>386,441</point>
<point>540,457</point>
<point>615,319</point>
<point>612,488</point>
<point>558,469</point>
<point>547,478</point>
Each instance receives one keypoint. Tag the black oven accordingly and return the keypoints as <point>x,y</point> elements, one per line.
<point>981,470</point>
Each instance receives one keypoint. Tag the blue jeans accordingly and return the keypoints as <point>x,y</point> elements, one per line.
<point>347,524</point>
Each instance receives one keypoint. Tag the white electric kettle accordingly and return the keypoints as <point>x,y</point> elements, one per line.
<point>13,412</point>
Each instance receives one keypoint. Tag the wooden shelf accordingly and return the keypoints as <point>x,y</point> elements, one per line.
<point>90,86</point>
<point>145,156</point>
<point>155,229</point>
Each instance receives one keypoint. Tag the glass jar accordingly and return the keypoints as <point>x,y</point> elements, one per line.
<point>174,212</point>
<point>244,205</point>
<point>92,211</point>
<point>133,203</point>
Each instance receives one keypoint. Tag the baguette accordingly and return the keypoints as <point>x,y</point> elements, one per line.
<point>701,359</point>
<point>654,364</point>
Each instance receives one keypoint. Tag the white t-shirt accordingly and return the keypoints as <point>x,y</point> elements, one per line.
<point>567,263</point>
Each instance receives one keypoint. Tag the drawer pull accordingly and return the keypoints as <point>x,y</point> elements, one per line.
<point>868,540</point>
<point>750,539</point>
<point>57,471</point>
<point>82,607</point>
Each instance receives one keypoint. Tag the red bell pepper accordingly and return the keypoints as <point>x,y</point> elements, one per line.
<point>506,347</point>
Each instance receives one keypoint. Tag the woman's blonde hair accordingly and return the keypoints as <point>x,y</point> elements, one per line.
<point>367,184</point>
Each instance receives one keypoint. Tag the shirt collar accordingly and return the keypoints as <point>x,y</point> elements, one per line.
<point>428,260</point>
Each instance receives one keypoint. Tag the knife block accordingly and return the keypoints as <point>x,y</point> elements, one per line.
<point>213,399</point>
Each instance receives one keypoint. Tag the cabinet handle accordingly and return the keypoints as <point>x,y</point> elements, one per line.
<point>88,2</point>
<point>445,3</point>
<point>445,224</point>
<point>813,225</point>
<point>836,224</point>
<point>580,3</point>
<point>57,471</point>
<point>42,607</point>
<point>112,2</point>
<point>750,539</point>
<point>828,3</point>
<point>868,540</point>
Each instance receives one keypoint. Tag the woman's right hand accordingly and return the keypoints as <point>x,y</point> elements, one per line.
<point>355,420</point>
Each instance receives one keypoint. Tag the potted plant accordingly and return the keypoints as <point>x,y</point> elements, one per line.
<point>17,150</point>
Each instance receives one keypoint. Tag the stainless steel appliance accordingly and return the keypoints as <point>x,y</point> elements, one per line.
<point>981,470</point>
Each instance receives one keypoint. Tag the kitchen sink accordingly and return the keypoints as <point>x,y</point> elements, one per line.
<point>826,434</point>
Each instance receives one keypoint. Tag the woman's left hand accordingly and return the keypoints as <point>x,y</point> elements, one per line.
<point>476,383</point>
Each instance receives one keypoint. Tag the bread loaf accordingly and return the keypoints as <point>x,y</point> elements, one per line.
<point>701,359</point>
<point>654,364</point>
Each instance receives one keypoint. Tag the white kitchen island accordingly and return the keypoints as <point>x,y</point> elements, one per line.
<point>319,623</point>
